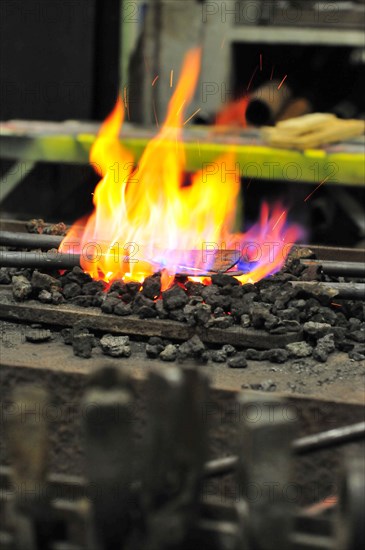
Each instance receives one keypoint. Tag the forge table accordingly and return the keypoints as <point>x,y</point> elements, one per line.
<point>29,142</point>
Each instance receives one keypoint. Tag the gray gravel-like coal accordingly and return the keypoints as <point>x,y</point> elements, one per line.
<point>273,305</point>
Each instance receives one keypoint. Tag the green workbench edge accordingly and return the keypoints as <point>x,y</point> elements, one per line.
<point>254,161</point>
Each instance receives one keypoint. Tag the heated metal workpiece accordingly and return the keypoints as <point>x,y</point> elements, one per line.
<point>223,261</point>
<point>149,495</point>
<point>349,263</point>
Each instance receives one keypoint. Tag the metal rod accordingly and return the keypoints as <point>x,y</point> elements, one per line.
<point>300,446</point>
<point>346,269</point>
<point>349,291</point>
<point>29,240</point>
<point>330,438</point>
<point>223,261</point>
<point>46,260</point>
<point>52,259</point>
<point>220,466</point>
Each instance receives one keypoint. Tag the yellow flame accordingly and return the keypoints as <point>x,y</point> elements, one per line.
<point>146,218</point>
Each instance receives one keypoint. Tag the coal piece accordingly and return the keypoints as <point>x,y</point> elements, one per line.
<point>277,355</point>
<point>45,297</point>
<point>37,336</point>
<point>43,281</point>
<point>109,304</point>
<point>151,287</point>
<point>93,287</point>
<point>82,345</point>
<point>192,348</point>
<point>169,354</point>
<point>324,347</point>
<point>218,356</point>
<point>70,290</point>
<point>154,350</point>
<point>221,279</point>
<point>229,350</point>
<point>82,300</point>
<point>255,355</point>
<point>22,288</point>
<point>174,298</point>
<point>266,385</point>
<point>5,278</point>
<point>223,322</point>
<point>133,287</point>
<point>299,349</point>
<point>238,361</point>
<point>123,309</point>
<point>77,275</point>
<point>115,346</point>
<point>57,297</point>
<point>118,286</point>
<point>316,330</point>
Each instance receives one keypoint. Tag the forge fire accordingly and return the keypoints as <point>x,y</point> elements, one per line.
<point>148,218</point>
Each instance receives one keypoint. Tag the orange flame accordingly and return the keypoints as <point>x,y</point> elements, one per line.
<point>145,218</point>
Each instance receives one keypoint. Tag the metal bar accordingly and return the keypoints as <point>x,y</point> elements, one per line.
<point>220,466</point>
<point>328,253</point>
<point>223,260</point>
<point>348,291</point>
<point>339,254</point>
<point>61,260</point>
<point>300,446</point>
<point>324,254</point>
<point>29,240</point>
<point>346,269</point>
<point>46,260</point>
<point>330,438</point>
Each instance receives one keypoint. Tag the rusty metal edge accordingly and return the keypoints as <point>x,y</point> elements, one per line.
<point>66,315</point>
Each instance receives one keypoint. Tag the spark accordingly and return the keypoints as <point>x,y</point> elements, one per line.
<point>181,106</point>
<point>155,80</point>
<point>154,112</point>
<point>260,62</point>
<point>171,77</point>
<point>279,218</point>
<point>336,305</point>
<point>126,104</point>
<point>252,77</point>
<point>272,72</point>
<point>249,183</point>
<point>282,82</point>
<point>190,117</point>
<point>314,190</point>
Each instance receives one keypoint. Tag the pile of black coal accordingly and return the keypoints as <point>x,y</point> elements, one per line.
<point>272,305</point>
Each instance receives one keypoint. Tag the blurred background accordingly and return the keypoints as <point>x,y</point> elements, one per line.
<point>68,59</point>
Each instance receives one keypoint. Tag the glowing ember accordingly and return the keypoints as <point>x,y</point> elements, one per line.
<point>147,219</point>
